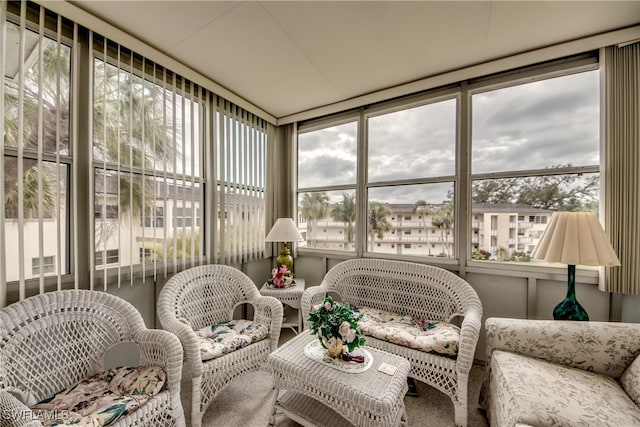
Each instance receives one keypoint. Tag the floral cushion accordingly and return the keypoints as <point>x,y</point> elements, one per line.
<point>539,393</point>
<point>434,337</point>
<point>630,380</point>
<point>222,338</point>
<point>103,398</point>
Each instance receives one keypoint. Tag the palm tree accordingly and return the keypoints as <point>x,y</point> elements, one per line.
<point>346,212</point>
<point>377,221</point>
<point>443,219</point>
<point>313,206</point>
<point>53,97</point>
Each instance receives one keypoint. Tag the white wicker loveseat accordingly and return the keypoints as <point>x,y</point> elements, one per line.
<point>420,292</point>
<point>202,299</point>
<point>52,349</point>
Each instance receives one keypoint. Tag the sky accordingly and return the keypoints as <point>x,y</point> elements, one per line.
<point>530,126</point>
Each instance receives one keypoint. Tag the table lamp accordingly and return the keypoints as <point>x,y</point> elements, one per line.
<point>574,238</point>
<point>284,230</point>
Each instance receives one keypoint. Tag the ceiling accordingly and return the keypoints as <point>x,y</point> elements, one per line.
<point>286,57</point>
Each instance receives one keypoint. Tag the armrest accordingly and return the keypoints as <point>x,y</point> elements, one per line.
<point>603,347</point>
<point>313,295</point>
<point>469,335</point>
<point>14,413</point>
<point>190,344</point>
<point>269,310</point>
<point>161,348</point>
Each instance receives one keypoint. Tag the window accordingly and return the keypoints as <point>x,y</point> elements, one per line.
<point>35,105</point>
<point>147,150</point>
<point>532,149</point>
<point>184,217</point>
<point>326,186</point>
<point>542,138</point>
<point>48,265</point>
<point>411,169</point>
<point>111,255</point>
<point>154,217</point>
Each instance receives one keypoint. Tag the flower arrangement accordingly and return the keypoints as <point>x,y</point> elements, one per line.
<point>336,326</point>
<point>281,277</point>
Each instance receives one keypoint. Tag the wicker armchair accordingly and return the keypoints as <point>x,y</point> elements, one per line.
<point>206,295</point>
<point>419,290</point>
<point>52,341</point>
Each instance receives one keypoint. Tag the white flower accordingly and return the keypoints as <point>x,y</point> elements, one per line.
<point>351,335</point>
<point>344,329</point>
<point>328,306</point>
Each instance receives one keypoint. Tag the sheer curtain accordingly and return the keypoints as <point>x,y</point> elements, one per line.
<point>622,160</point>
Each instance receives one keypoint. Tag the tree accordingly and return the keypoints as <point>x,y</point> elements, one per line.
<point>346,212</point>
<point>554,192</point>
<point>313,206</point>
<point>377,221</point>
<point>49,100</point>
<point>443,219</point>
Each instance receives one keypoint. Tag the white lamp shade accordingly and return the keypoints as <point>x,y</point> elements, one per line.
<point>284,230</point>
<point>575,238</point>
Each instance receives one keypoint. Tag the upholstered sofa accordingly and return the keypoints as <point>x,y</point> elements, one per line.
<point>562,373</point>
<point>423,313</point>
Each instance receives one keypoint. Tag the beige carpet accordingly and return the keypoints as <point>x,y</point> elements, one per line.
<point>246,402</point>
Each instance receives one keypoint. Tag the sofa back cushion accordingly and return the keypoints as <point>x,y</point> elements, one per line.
<point>630,380</point>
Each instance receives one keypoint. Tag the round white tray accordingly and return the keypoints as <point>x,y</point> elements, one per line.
<point>315,351</point>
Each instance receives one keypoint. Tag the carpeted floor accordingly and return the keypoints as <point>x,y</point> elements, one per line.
<point>247,403</point>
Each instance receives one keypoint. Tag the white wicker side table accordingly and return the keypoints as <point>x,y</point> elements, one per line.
<point>290,296</point>
<point>314,394</point>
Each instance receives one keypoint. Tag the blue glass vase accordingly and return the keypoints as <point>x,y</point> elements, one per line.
<point>570,308</point>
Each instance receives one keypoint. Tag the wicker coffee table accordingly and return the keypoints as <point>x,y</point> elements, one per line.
<point>313,393</point>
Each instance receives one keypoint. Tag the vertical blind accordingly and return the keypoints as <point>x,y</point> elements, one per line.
<point>35,145</point>
<point>150,130</point>
<point>177,174</point>
<point>240,179</point>
<point>622,156</point>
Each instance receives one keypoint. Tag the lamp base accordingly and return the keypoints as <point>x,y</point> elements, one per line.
<point>285,258</point>
<point>569,308</point>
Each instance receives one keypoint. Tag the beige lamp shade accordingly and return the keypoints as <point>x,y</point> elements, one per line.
<point>284,230</point>
<point>575,238</point>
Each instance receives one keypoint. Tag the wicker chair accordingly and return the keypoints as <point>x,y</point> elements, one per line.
<point>419,290</point>
<point>51,341</point>
<point>206,295</point>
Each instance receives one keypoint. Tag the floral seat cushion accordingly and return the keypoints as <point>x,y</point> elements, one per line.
<point>223,338</point>
<point>103,398</point>
<point>536,392</point>
<point>434,337</point>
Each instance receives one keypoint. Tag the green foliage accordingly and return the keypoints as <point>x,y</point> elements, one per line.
<point>480,254</point>
<point>346,212</point>
<point>326,323</point>
<point>521,257</point>
<point>554,192</point>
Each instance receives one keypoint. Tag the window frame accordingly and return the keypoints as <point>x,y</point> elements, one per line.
<point>462,179</point>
